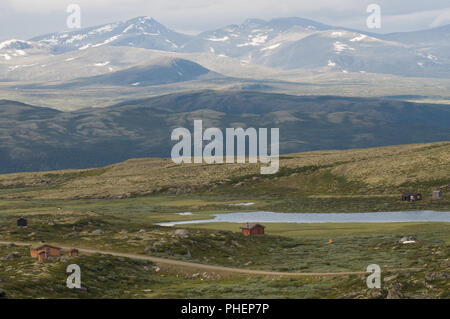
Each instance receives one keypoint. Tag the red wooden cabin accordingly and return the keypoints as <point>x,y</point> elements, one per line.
<point>252,229</point>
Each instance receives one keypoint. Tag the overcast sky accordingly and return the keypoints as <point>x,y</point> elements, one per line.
<point>24,19</point>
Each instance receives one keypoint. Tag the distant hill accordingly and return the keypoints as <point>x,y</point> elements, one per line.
<point>161,71</point>
<point>34,138</point>
<point>372,172</point>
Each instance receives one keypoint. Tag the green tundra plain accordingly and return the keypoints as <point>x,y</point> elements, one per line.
<point>115,208</point>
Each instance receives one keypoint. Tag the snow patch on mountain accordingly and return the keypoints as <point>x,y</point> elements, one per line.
<point>254,41</point>
<point>6,56</point>
<point>15,67</point>
<point>431,57</point>
<point>102,63</point>
<point>337,34</point>
<point>171,43</point>
<point>261,30</point>
<point>129,28</point>
<point>77,37</point>
<point>106,28</point>
<point>339,47</point>
<point>271,47</point>
<point>20,53</point>
<point>89,45</point>
<point>358,38</point>
<point>225,38</point>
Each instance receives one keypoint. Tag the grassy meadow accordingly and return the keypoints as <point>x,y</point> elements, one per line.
<point>115,208</point>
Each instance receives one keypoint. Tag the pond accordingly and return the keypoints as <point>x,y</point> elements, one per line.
<point>271,217</point>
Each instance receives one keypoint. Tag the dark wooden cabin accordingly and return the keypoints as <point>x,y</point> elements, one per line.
<point>22,222</point>
<point>411,197</point>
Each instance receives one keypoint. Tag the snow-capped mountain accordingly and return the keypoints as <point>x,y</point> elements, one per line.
<point>348,51</point>
<point>295,43</point>
<point>140,32</point>
<point>285,43</point>
<point>252,36</point>
<point>15,44</point>
<point>13,49</point>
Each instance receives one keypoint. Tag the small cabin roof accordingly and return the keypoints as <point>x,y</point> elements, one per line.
<point>42,246</point>
<point>251,226</point>
<point>411,194</point>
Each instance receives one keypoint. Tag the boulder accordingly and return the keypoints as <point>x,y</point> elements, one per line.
<point>375,293</point>
<point>389,278</point>
<point>12,255</point>
<point>393,293</point>
<point>407,239</point>
<point>72,234</point>
<point>437,276</point>
<point>181,233</point>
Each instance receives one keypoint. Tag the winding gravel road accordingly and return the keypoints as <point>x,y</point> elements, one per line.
<point>186,264</point>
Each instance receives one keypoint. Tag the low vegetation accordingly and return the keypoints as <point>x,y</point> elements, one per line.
<point>115,209</point>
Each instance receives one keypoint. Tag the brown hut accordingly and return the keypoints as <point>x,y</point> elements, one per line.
<point>252,229</point>
<point>42,256</point>
<point>73,252</point>
<point>49,250</point>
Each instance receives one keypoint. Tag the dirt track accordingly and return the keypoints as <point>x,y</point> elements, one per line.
<point>174,262</point>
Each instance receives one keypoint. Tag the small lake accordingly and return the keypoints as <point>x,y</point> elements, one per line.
<point>271,217</point>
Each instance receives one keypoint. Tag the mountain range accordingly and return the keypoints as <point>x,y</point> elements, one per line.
<point>116,91</point>
<point>282,43</point>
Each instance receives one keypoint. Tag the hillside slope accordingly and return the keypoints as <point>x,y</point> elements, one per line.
<point>375,171</point>
<point>95,137</point>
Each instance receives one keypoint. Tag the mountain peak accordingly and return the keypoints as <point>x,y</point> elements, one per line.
<point>15,44</point>
<point>296,21</point>
<point>253,23</point>
<point>142,20</point>
<point>142,32</point>
<point>144,25</point>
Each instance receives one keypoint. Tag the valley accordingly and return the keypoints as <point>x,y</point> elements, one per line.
<point>70,208</point>
<point>85,141</point>
<point>35,138</point>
